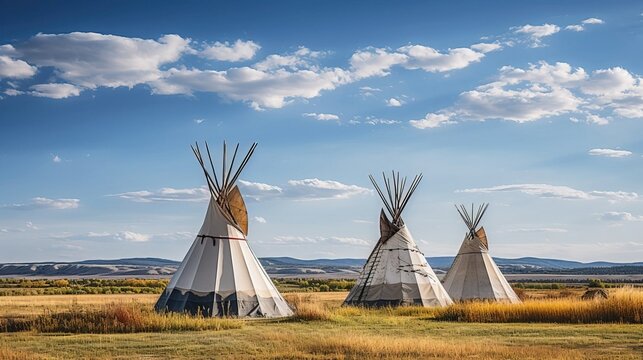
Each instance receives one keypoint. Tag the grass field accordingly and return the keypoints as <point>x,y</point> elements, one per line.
<point>321,330</point>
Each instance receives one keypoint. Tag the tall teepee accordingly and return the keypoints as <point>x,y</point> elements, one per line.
<point>396,272</point>
<point>220,275</point>
<point>474,274</point>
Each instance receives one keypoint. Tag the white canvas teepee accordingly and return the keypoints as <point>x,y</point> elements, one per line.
<point>474,274</point>
<point>220,275</point>
<point>396,272</point>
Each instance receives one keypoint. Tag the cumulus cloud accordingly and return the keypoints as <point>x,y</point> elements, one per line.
<point>537,32</point>
<point>15,69</point>
<point>609,153</point>
<point>46,203</point>
<point>555,191</point>
<point>593,21</point>
<point>393,102</point>
<point>379,61</point>
<point>259,191</point>
<point>260,89</point>
<point>372,120</point>
<point>620,216</point>
<point>84,60</point>
<point>91,60</point>
<point>545,90</point>
<point>432,121</point>
<point>55,158</point>
<point>238,51</point>
<point>199,121</point>
<point>322,116</point>
<point>55,90</point>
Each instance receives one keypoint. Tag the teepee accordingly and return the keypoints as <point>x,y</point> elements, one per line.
<point>220,275</point>
<point>396,272</point>
<point>474,274</point>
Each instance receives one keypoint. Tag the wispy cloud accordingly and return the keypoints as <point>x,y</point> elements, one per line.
<point>554,191</point>
<point>322,116</point>
<point>46,203</point>
<point>537,230</point>
<point>260,219</point>
<point>55,158</point>
<point>304,189</point>
<point>620,216</point>
<point>322,240</point>
<point>610,153</point>
<point>166,194</point>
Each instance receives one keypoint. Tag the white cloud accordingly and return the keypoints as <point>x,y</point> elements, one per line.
<point>260,219</point>
<point>537,230</point>
<point>432,121</point>
<point>393,102</point>
<point>90,60</point>
<point>133,236</point>
<point>167,194</point>
<point>259,191</point>
<point>368,91</point>
<point>322,240</point>
<point>581,27</point>
<point>431,60</point>
<point>260,89</point>
<point>577,28</point>
<point>238,51</point>
<point>486,47</point>
<point>620,216</point>
<point>593,21</point>
<point>55,90</point>
<point>322,116</point>
<point>374,62</point>
<point>46,203</point>
<point>316,189</point>
<point>537,32</point>
<point>56,158</point>
<point>31,226</point>
<point>15,69</point>
<point>85,60</point>
<point>371,120</point>
<point>610,153</point>
<point>544,90</point>
<point>199,121</point>
<point>554,191</point>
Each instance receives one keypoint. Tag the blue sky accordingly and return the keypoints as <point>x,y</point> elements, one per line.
<point>535,107</point>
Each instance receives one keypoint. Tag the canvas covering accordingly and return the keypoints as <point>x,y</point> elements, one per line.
<point>475,276</point>
<point>221,276</point>
<point>397,273</point>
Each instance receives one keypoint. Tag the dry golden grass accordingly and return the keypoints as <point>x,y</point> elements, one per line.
<point>307,310</point>
<point>389,347</point>
<point>115,318</point>
<point>20,306</point>
<point>622,306</point>
<point>323,329</point>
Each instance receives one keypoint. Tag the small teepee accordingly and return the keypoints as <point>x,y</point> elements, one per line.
<point>220,275</point>
<point>474,274</point>
<point>396,272</point>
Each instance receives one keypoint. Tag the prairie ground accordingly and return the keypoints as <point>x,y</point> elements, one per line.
<point>321,330</point>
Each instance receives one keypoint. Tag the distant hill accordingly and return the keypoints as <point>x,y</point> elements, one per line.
<point>288,266</point>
